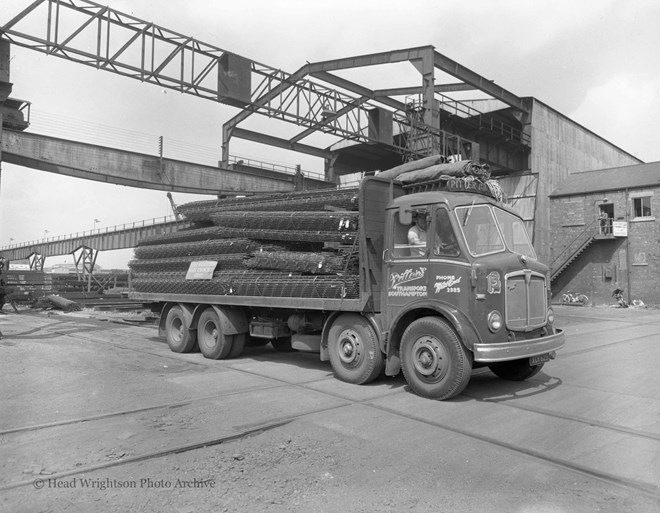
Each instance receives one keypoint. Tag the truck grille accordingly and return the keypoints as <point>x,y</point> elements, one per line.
<point>526,298</point>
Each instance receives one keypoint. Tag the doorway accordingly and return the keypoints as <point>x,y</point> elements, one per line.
<point>606,216</point>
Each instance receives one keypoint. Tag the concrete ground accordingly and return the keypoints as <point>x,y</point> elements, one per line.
<point>97,415</point>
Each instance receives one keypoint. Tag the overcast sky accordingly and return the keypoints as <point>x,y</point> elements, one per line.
<point>596,61</point>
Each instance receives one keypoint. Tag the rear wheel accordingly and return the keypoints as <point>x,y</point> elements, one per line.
<point>433,359</point>
<point>213,343</point>
<point>237,345</point>
<point>179,337</point>
<point>515,370</point>
<point>354,351</point>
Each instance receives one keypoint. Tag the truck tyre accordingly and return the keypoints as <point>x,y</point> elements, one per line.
<point>179,337</point>
<point>237,345</point>
<point>435,363</point>
<point>354,351</point>
<point>213,343</point>
<point>515,370</point>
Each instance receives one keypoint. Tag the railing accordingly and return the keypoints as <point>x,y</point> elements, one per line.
<point>460,109</point>
<point>586,234</point>
<point>269,166</point>
<point>97,231</point>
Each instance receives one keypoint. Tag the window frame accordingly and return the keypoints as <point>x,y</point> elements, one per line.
<point>641,199</point>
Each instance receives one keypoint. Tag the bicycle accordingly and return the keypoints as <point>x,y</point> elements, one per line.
<point>571,298</point>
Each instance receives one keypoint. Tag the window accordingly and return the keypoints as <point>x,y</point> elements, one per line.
<point>515,234</point>
<point>480,229</point>
<point>445,239</point>
<point>410,239</point>
<point>642,206</point>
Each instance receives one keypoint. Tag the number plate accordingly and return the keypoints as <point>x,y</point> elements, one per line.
<point>539,359</point>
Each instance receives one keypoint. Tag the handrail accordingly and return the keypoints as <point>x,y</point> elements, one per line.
<point>568,246</point>
<point>282,168</point>
<point>97,231</point>
<point>586,231</point>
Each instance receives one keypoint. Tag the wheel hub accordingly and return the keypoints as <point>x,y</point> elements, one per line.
<point>349,347</point>
<point>210,335</point>
<point>429,357</point>
<point>177,331</point>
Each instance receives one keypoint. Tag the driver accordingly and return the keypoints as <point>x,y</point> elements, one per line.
<point>417,235</point>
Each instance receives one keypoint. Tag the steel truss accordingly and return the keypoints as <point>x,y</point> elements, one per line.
<point>95,35</point>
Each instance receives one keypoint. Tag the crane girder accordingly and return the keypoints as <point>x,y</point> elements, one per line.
<point>95,35</point>
<point>88,33</point>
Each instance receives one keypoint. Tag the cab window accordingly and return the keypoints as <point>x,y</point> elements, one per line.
<point>410,240</point>
<point>480,229</point>
<point>445,243</point>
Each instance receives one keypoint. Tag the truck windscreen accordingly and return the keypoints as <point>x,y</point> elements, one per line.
<point>515,234</point>
<point>490,229</point>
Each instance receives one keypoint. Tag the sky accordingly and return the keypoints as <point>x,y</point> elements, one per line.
<point>595,61</point>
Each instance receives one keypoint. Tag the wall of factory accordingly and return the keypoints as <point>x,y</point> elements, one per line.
<point>560,146</point>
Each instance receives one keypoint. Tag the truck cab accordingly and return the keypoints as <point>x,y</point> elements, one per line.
<point>470,293</point>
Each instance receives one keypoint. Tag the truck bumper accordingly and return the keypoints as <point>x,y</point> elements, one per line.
<point>518,349</point>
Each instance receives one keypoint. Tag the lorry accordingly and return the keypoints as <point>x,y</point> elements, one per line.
<point>473,295</point>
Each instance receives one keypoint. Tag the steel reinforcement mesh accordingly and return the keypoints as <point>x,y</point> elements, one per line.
<point>181,264</point>
<point>293,241</point>
<point>252,283</point>
<point>267,234</point>
<point>204,233</point>
<point>303,221</point>
<point>304,262</point>
<point>344,199</point>
<point>204,248</point>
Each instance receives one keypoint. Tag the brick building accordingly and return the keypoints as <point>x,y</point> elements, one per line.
<point>605,233</point>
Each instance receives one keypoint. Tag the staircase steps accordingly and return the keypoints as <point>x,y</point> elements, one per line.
<point>556,272</point>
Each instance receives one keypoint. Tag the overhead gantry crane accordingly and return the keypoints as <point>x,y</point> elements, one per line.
<point>385,126</point>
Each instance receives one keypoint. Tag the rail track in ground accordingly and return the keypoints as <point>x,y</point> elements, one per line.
<point>376,402</point>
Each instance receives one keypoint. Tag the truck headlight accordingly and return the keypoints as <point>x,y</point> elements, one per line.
<point>551,316</point>
<point>494,321</point>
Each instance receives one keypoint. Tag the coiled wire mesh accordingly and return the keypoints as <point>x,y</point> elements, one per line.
<point>345,199</point>
<point>252,283</point>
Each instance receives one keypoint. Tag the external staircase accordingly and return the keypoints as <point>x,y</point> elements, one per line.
<point>576,247</point>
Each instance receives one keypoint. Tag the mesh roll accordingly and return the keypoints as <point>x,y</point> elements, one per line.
<point>271,235</point>
<point>304,221</point>
<point>312,242</point>
<point>203,248</point>
<point>181,264</point>
<point>252,283</point>
<point>344,199</point>
<point>304,262</point>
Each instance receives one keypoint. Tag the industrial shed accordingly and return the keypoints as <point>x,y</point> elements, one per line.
<point>605,234</point>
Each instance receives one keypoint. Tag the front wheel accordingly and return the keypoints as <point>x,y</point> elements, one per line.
<point>435,363</point>
<point>355,354</point>
<point>515,370</point>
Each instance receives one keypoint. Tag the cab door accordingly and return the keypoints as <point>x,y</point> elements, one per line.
<point>406,263</point>
<point>449,267</point>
